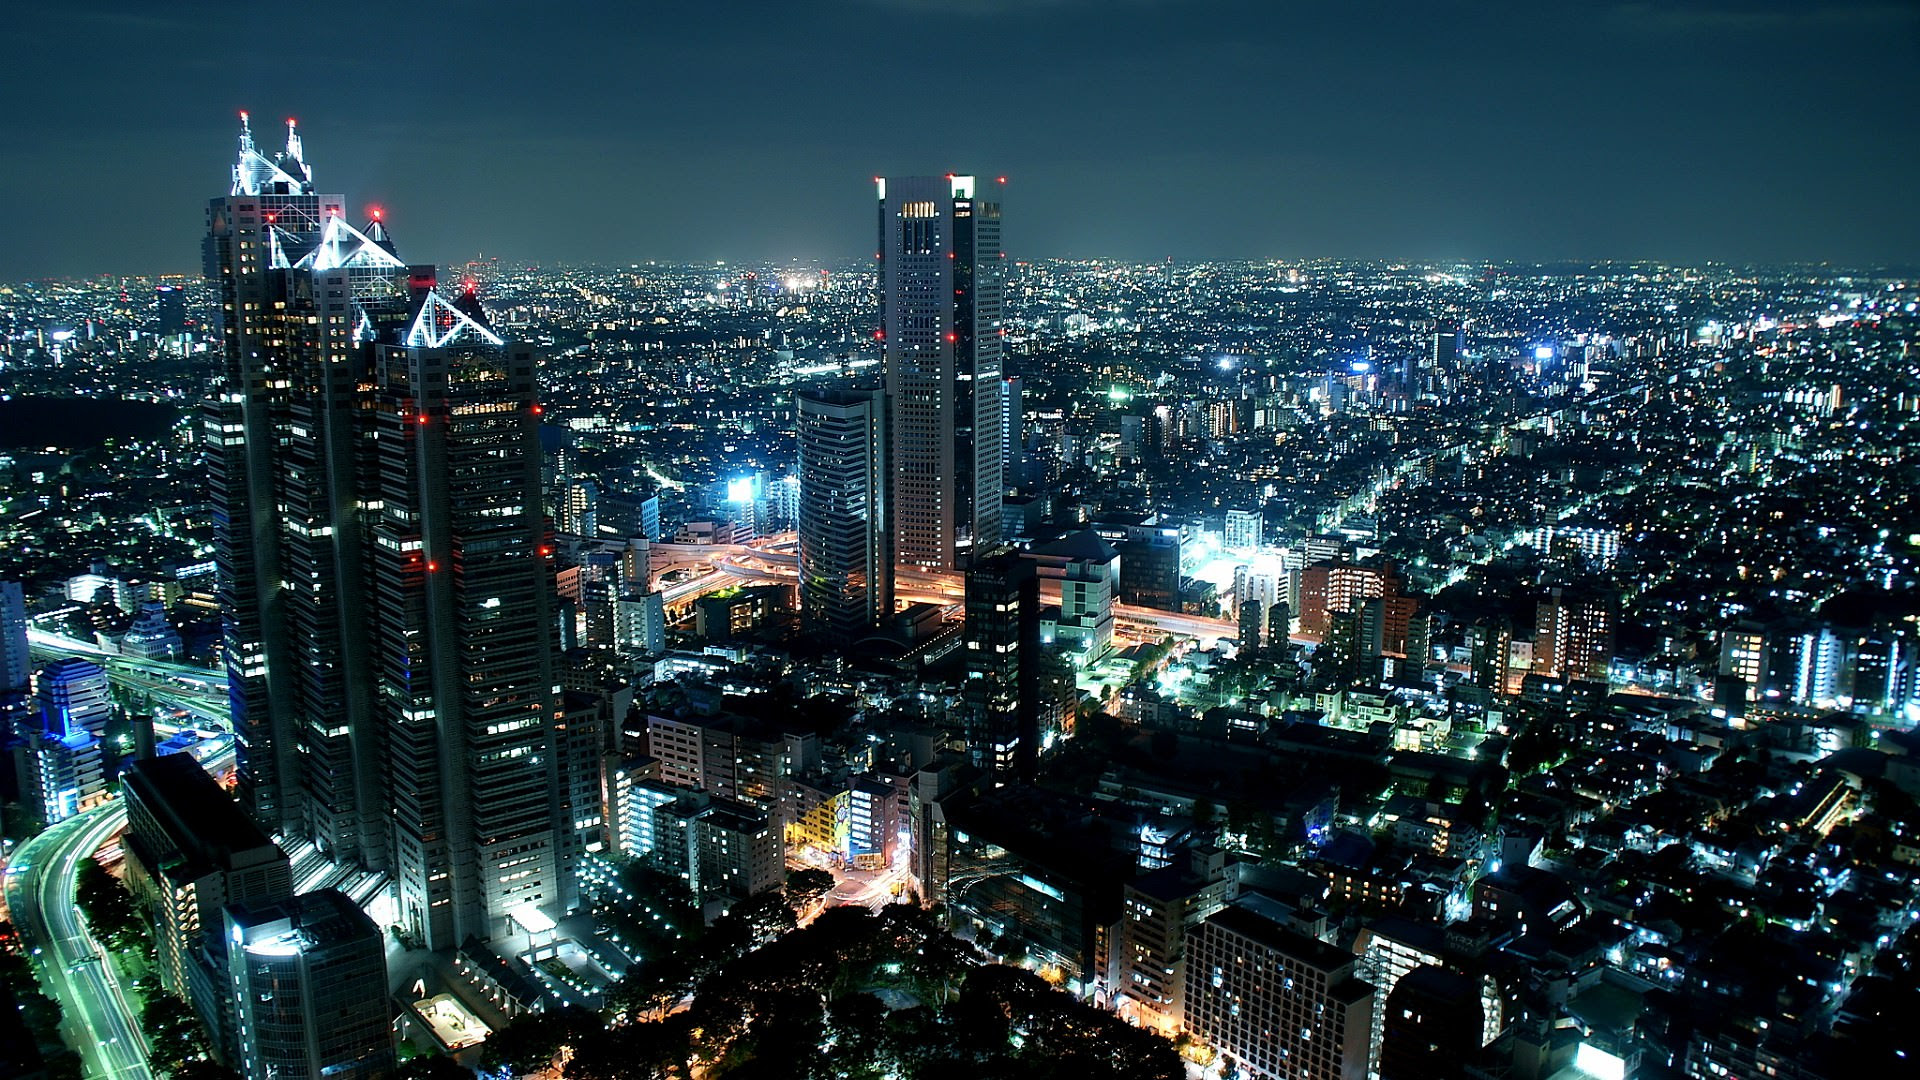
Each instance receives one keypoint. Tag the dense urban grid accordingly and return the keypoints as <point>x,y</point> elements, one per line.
<point>953,664</point>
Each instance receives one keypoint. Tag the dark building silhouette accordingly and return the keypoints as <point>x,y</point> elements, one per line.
<point>1432,1029</point>
<point>1002,689</point>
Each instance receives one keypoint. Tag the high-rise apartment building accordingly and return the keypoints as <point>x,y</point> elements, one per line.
<point>1244,529</point>
<point>1279,1003</point>
<point>846,548</point>
<point>1573,635</point>
<point>384,576</point>
<point>941,277</point>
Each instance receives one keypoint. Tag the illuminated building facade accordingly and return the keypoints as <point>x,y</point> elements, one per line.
<point>383,563</point>
<point>308,978</point>
<point>190,852</point>
<point>1573,636</point>
<point>941,277</point>
<point>1279,1003</point>
<point>845,544</point>
<point>60,764</point>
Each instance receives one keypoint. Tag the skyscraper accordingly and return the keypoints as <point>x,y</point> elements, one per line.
<point>1002,690</point>
<point>169,310</point>
<point>16,662</point>
<point>846,550</point>
<point>384,578</point>
<point>941,276</point>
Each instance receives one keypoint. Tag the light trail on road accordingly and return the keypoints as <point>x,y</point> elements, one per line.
<point>97,1017</point>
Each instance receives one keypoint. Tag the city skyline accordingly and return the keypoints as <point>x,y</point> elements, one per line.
<point>1415,132</point>
<point>933,659</point>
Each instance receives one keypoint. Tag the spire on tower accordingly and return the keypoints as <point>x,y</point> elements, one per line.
<point>287,173</point>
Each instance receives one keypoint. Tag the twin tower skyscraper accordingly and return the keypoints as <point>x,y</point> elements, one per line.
<point>911,474</point>
<point>385,579</point>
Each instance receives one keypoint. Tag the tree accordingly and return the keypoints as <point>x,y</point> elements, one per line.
<point>427,1067</point>
<point>806,886</point>
<point>212,1070</point>
<point>108,905</point>
<point>531,1042</point>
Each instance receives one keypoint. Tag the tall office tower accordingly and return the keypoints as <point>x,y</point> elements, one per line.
<point>384,587</point>
<point>846,551</point>
<point>1013,446</point>
<point>464,623</point>
<point>308,977</point>
<point>1002,690</point>
<point>169,310</point>
<point>16,661</point>
<point>1442,362</point>
<point>272,214</point>
<point>941,275</point>
<point>1573,636</point>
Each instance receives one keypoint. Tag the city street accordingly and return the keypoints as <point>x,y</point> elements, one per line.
<point>73,969</point>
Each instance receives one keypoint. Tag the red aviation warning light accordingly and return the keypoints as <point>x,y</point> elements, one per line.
<point>374,212</point>
<point>537,410</point>
<point>951,336</point>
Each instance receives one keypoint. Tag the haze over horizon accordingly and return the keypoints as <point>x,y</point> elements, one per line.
<point>1718,130</point>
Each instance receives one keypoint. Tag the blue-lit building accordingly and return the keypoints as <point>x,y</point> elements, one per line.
<point>58,757</point>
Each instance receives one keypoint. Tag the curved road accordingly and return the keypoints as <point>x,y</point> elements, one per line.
<point>97,1017</point>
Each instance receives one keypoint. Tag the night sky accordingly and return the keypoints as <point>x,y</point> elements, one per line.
<point>554,131</point>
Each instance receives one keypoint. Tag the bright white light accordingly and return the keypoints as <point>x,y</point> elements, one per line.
<point>1599,1064</point>
<point>740,490</point>
<point>1543,352</point>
